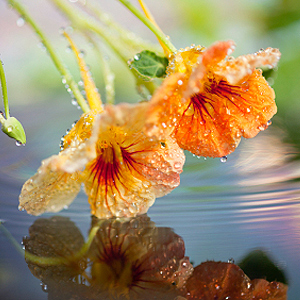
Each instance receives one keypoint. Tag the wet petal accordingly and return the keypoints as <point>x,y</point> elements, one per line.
<point>136,259</point>
<point>216,53</point>
<point>237,70</point>
<point>166,107</point>
<point>220,280</point>
<point>215,119</point>
<point>206,113</point>
<point>131,169</point>
<point>262,289</point>
<point>48,191</point>
<point>56,183</point>
<point>79,152</point>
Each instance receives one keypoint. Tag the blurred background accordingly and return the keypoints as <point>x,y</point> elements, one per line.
<point>253,25</point>
<point>220,210</point>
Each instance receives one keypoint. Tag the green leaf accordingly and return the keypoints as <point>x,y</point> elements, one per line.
<point>149,65</point>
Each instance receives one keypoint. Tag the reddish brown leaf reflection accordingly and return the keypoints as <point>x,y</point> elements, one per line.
<point>219,281</point>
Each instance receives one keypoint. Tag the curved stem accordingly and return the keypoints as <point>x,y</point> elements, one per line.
<point>159,34</point>
<point>4,90</point>
<point>56,60</point>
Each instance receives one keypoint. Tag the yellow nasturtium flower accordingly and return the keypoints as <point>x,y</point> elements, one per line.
<point>121,168</point>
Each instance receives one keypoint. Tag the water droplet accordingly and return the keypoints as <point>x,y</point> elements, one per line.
<point>63,80</point>
<point>68,49</point>
<point>20,22</point>
<point>177,165</point>
<point>44,287</point>
<point>180,82</point>
<point>81,54</point>
<point>223,159</point>
<point>137,56</point>
<point>18,143</point>
<point>230,260</point>
<point>42,46</point>
<point>269,123</point>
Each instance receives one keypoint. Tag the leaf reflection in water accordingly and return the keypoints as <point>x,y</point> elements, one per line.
<point>131,259</point>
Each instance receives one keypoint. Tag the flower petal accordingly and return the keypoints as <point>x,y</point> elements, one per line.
<point>215,119</point>
<point>237,70</point>
<point>165,107</point>
<point>47,190</point>
<point>206,113</point>
<point>131,169</point>
<point>79,152</point>
<point>56,183</point>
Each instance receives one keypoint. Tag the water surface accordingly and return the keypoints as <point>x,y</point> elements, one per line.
<point>220,210</point>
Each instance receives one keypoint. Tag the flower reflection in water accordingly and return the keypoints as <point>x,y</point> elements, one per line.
<point>127,259</point>
<point>131,259</point>
<point>220,280</point>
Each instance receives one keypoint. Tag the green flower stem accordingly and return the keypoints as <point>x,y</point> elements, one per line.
<point>159,34</point>
<point>56,60</point>
<point>4,90</point>
<point>11,238</point>
<point>119,43</point>
<point>84,21</point>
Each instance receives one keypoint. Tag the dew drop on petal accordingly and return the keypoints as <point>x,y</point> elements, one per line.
<point>177,165</point>
<point>44,287</point>
<point>18,143</point>
<point>230,260</point>
<point>223,159</point>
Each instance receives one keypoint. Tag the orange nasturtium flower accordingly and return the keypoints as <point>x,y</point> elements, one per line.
<point>209,100</point>
<point>122,169</point>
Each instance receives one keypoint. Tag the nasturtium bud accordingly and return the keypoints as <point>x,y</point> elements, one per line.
<point>14,129</point>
